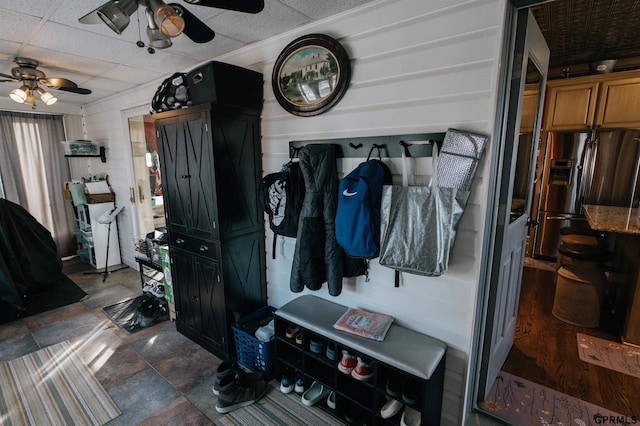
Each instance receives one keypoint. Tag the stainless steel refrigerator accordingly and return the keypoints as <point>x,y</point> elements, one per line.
<point>594,167</point>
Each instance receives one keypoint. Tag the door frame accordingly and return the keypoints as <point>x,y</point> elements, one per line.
<point>482,332</point>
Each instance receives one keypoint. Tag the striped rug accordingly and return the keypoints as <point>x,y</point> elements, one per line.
<point>52,387</point>
<point>278,409</point>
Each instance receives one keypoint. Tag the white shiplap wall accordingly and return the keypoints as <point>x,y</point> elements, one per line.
<point>418,66</point>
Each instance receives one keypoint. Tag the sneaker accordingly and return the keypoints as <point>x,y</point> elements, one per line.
<point>286,385</point>
<point>347,363</point>
<point>331,351</point>
<point>391,408</point>
<point>362,370</point>
<point>299,338</point>
<point>412,392</point>
<point>410,417</point>
<point>292,331</point>
<point>158,291</point>
<point>147,288</point>
<point>317,345</point>
<point>331,400</point>
<point>234,395</point>
<point>299,385</point>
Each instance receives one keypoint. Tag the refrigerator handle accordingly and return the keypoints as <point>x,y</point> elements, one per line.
<point>591,167</point>
<point>582,174</point>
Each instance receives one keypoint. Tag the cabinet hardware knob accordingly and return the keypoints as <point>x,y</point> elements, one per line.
<point>204,248</point>
<point>179,241</point>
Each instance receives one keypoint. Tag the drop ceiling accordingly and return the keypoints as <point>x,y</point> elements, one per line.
<point>96,58</point>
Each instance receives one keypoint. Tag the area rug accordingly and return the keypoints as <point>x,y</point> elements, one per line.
<point>614,356</point>
<point>277,408</point>
<point>521,402</point>
<point>52,387</point>
<point>129,316</point>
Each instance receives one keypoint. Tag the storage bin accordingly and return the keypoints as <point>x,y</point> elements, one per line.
<point>252,353</point>
<point>80,147</point>
<point>84,255</point>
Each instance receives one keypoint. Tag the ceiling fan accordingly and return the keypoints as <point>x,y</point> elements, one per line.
<point>27,73</point>
<point>165,21</point>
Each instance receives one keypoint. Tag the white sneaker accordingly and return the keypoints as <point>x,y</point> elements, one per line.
<point>391,408</point>
<point>410,417</point>
<point>158,291</point>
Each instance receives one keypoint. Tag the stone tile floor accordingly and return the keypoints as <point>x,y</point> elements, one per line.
<point>156,376</point>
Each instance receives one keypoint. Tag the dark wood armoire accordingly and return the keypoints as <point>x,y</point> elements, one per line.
<point>211,166</point>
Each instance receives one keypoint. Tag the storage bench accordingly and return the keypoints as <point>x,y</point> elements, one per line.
<point>403,355</point>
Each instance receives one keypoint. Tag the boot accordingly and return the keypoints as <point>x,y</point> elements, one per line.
<point>233,395</point>
<point>227,368</point>
<point>224,369</point>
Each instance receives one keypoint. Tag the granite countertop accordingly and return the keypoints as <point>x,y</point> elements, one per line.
<point>623,220</point>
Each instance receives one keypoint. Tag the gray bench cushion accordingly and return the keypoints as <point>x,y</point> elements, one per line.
<point>402,348</point>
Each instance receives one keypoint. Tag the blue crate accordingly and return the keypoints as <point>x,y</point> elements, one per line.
<point>254,354</point>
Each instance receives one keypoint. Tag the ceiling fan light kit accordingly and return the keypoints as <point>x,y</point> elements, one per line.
<point>27,73</point>
<point>116,14</point>
<point>170,20</point>
<point>170,23</point>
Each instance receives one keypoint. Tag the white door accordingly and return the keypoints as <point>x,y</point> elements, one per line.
<point>531,59</point>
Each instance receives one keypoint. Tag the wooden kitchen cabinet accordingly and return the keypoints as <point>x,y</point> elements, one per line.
<point>571,105</point>
<point>606,101</point>
<point>619,105</point>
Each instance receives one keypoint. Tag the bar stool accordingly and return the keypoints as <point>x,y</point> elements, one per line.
<point>579,295</point>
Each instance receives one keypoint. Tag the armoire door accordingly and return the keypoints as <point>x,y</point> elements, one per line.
<point>199,295</point>
<point>238,170</point>
<point>187,153</point>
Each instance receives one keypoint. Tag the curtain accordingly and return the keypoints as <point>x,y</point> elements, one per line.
<point>33,171</point>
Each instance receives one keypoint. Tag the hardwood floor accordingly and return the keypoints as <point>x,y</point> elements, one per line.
<point>545,351</point>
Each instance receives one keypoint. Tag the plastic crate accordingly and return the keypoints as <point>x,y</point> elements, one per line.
<point>254,354</point>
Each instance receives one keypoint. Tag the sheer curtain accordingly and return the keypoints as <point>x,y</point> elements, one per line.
<point>33,171</point>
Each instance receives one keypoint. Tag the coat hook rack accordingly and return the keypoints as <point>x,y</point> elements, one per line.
<point>350,147</point>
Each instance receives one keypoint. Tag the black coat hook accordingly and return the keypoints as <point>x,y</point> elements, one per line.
<point>352,145</point>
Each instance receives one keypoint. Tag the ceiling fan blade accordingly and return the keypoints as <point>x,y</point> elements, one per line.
<point>12,78</point>
<point>57,82</point>
<point>248,6</point>
<point>194,28</point>
<point>78,90</point>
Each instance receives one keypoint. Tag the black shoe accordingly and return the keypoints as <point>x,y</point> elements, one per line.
<point>224,369</point>
<point>411,392</point>
<point>233,395</point>
<point>227,368</point>
<point>395,384</point>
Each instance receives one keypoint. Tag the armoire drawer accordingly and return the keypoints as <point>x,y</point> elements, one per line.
<point>204,248</point>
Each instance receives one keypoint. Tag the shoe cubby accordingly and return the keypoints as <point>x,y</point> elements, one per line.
<point>406,366</point>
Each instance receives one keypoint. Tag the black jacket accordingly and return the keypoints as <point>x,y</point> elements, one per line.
<point>318,257</point>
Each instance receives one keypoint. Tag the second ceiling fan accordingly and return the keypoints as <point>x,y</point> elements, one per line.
<point>165,21</point>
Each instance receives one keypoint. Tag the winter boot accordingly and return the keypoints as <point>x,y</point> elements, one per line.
<point>228,367</point>
<point>224,369</point>
<point>233,395</point>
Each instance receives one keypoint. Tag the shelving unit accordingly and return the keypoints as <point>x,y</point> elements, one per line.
<point>404,355</point>
<point>150,272</point>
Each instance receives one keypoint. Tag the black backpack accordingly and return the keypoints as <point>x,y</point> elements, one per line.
<point>282,194</point>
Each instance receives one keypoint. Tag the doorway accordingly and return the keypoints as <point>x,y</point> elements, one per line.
<point>539,336</point>
<point>147,193</point>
